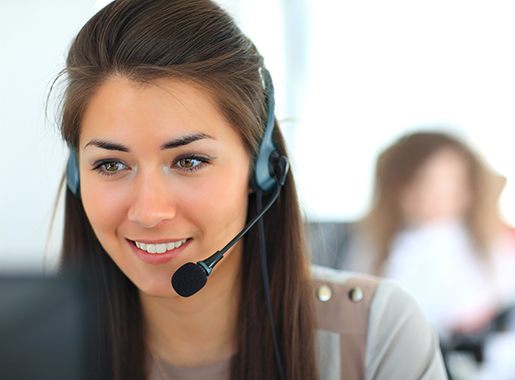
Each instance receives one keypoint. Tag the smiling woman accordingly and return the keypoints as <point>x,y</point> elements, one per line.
<point>175,154</point>
<point>156,189</point>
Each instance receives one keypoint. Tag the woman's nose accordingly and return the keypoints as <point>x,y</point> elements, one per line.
<point>153,201</point>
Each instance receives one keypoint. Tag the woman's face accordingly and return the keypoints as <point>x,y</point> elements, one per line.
<point>439,191</point>
<point>164,178</point>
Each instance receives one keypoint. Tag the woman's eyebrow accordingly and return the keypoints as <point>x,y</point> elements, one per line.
<point>185,140</point>
<point>107,145</point>
<point>174,143</point>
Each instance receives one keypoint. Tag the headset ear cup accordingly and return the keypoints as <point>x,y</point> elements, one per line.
<point>72,173</point>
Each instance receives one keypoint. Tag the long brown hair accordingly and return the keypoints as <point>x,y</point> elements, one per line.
<point>397,166</point>
<point>195,41</point>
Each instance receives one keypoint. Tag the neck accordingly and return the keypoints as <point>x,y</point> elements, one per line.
<point>199,330</point>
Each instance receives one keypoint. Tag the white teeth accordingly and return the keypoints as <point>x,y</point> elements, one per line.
<point>159,248</point>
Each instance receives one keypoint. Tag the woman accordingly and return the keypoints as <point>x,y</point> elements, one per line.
<point>435,229</point>
<point>165,107</point>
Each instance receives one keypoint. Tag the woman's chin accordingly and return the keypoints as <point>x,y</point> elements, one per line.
<point>157,288</point>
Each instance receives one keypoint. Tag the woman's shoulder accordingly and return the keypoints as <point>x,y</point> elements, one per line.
<point>369,326</point>
<point>345,291</point>
<point>350,303</point>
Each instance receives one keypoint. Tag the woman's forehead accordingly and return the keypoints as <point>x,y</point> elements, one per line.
<point>121,106</point>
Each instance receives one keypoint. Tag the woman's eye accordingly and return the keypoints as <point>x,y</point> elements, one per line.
<point>112,166</point>
<point>190,163</point>
<point>109,168</point>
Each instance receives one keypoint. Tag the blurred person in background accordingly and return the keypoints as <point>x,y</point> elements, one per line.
<point>434,227</point>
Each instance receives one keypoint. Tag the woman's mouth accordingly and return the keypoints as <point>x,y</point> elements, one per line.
<point>159,248</point>
<point>159,251</point>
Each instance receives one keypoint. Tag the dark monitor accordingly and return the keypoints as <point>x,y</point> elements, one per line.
<point>47,328</point>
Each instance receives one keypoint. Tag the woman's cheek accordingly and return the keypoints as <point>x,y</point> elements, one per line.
<point>221,200</point>
<point>104,207</point>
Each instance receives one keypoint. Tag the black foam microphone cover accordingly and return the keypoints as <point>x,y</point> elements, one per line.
<point>189,279</point>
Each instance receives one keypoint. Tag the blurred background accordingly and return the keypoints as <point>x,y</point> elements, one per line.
<point>351,78</point>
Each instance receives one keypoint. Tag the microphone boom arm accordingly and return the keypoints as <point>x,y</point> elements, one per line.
<point>212,260</point>
<point>189,278</point>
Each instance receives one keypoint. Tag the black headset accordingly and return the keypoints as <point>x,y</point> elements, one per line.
<point>269,164</point>
<point>72,172</point>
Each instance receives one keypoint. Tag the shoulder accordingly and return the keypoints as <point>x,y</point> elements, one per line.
<point>377,329</point>
<point>399,332</point>
<point>343,299</point>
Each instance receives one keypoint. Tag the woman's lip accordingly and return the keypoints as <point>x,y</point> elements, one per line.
<point>157,258</point>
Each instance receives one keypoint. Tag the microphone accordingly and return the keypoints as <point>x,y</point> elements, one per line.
<point>191,277</point>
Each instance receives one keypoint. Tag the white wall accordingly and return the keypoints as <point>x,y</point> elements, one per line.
<point>381,68</point>
<point>34,36</point>
<point>377,69</point>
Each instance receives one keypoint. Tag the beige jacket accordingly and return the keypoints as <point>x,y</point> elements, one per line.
<point>368,329</point>
<point>371,329</point>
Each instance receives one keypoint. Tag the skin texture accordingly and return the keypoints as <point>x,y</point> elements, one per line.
<point>197,191</point>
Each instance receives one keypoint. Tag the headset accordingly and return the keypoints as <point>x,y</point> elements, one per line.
<point>270,171</point>
<point>72,172</point>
